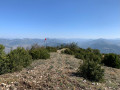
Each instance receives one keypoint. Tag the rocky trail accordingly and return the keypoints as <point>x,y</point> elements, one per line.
<point>57,73</point>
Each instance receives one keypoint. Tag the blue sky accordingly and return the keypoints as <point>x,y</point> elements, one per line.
<point>60,18</point>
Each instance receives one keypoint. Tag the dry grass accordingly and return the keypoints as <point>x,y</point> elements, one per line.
<point>57,73</point>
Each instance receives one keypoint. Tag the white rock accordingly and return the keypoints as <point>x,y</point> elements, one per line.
<point>12,82</point>
<point>93,83</point>
<point>97,83</point>
<point>109,81</point>
<point>84,81</point>
<point>3,84</point>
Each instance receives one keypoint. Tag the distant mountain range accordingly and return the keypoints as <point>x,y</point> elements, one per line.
<point>104,45</point>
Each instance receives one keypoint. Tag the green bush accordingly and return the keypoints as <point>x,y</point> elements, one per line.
<point>92,56</point>
<point>84,54</point>
<point>60,46</point>
<point>51,49</point>
<point>79,56</point>
<point>91,70</point>
<point>96,52</point>
<point>68,51</point>
<point>39,53</point>
<point>2,53</point>
<point>4,61</point>
<point>112,60</point>
<point>72,46</point>
<point>89,49</point>
<point>4,66</point>
<point>18,59</point>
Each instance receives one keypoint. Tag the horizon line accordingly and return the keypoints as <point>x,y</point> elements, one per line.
<point>57,38</point>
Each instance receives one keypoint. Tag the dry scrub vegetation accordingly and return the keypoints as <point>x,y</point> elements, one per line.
<point>57,73</point>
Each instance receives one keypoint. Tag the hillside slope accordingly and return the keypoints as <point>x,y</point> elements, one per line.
<point>105,46</point>
<point>57,73</point>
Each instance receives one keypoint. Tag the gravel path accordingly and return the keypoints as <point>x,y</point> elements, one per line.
<point>56,73</point>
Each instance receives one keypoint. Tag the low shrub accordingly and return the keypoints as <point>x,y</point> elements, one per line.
<point>18,59</point>
<point>96,52</point>
<point>88,56</point>
<point>80,53</point>
<point>72,46</point>
<point>79,56</point>
<point>68,51</point>
<point>4,66</point>
<point>4,61</point>
<point>92,56</point>
<point>51,49</point>
<point>112,60</point>
<point>91,70</point>
<point>39,53</point>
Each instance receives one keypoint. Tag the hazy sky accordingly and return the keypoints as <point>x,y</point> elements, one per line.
<point>60,18</point>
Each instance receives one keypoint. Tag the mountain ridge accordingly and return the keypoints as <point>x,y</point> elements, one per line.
<point>104,45</point>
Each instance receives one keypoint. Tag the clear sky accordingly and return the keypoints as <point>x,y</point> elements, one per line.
<point>60,18</point>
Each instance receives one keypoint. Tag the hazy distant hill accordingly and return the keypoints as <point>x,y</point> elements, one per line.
<point>104,45</point>
<point>13,43</point>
